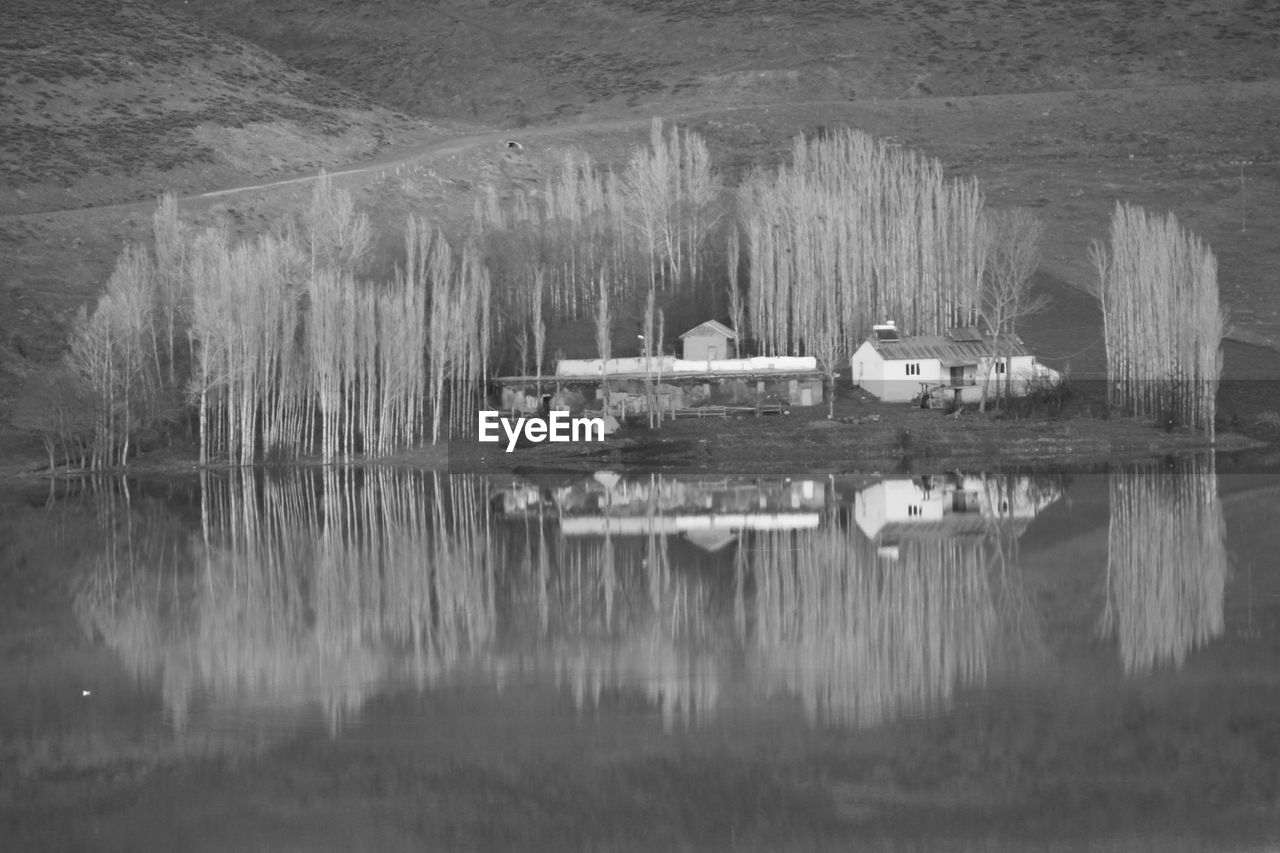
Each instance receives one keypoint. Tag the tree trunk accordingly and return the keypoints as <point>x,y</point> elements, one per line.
<point>986,383</point>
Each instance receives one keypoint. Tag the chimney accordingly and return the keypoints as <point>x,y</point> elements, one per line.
<point>886,331</point>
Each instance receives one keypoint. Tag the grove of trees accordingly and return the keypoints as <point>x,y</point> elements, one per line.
<point>282,345</point>
<point>1158,288</point>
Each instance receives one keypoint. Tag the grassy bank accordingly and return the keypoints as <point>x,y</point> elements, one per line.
<point>866,437</point>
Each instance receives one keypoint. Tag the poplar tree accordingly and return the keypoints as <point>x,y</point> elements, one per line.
<point>1157,286</point>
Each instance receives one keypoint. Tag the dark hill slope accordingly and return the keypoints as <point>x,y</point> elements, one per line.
<point>522,61</point>
<point>106,100</point>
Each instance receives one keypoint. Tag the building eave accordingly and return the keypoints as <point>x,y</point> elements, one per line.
<point>714,325</point>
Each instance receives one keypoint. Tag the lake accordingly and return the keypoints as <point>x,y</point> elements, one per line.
<point>380,659</point>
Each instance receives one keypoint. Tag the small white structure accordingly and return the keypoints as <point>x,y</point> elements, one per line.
<point>708,341</point>
<point>899,369</point>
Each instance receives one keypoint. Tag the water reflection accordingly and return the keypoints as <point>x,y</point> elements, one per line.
<point>950,506</point>
<point>299,588</point>
<point>858,602</point>
<point>891,615</point>
<point>620,611</point>
<point>1166,562</point>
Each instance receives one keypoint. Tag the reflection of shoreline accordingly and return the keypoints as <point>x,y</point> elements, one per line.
<point>324,587</point>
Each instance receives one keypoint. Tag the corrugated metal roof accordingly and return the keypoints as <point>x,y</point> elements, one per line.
<point>942,347</point>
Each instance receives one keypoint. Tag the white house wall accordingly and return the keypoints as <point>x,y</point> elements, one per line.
<point>699,347</point>
<point>1023,370</point>
<point>897,500</point>
<point>889,381</point>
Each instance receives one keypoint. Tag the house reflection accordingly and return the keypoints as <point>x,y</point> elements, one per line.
<point>949,506</point>
<point>709,512</point>
<point>861,616</point>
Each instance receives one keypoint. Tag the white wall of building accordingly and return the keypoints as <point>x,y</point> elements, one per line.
<point>590,367</point>
<point>890,380</point>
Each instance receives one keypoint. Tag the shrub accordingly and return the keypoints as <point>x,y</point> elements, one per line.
<point>1045,396</point>
<point>56,406</point>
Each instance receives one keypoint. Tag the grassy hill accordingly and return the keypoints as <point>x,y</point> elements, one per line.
<point>108,100</point>
<point>1065,108</point>
<point>530,61</point>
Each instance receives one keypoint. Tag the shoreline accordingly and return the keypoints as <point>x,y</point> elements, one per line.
<point>862,439</point>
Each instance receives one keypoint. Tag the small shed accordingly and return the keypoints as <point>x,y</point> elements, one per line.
<point>708,341</point>
<point>898,368</point>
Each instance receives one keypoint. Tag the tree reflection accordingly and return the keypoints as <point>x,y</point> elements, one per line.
<point>859,628</point>
<point>614,617</point>
<point>324,585</point>
<point>304,586</point>
<point>1167,562</point>
<point>862,635</point>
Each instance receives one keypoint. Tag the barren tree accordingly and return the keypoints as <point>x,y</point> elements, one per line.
<point>737,310</point>
<point>539,327</point>
<point>171,239</point>
<point>1158,289</point>
<point>869,229</point>
<point>1012,240</point>
<point>339,237</point>
<point>827,346</point>
<point>604,343</point>
<point>56,405</point>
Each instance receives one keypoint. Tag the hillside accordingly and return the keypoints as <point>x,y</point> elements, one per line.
<point>110,100</point>
<point>1062,109</point>
<point>530,61</point>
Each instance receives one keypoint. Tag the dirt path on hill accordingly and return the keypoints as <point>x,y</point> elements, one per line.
<point>458,144</point>
<point>436,148</point>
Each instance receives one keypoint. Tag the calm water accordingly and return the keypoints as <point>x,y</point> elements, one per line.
<point>389,660</point>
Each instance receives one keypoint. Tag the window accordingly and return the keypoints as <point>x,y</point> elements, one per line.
<point>999,367</point>
<point>913,369</point>
<point>913,510</point>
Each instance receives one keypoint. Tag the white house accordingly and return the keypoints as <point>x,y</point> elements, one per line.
<point>899,369</point>
<point>708,341</point>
